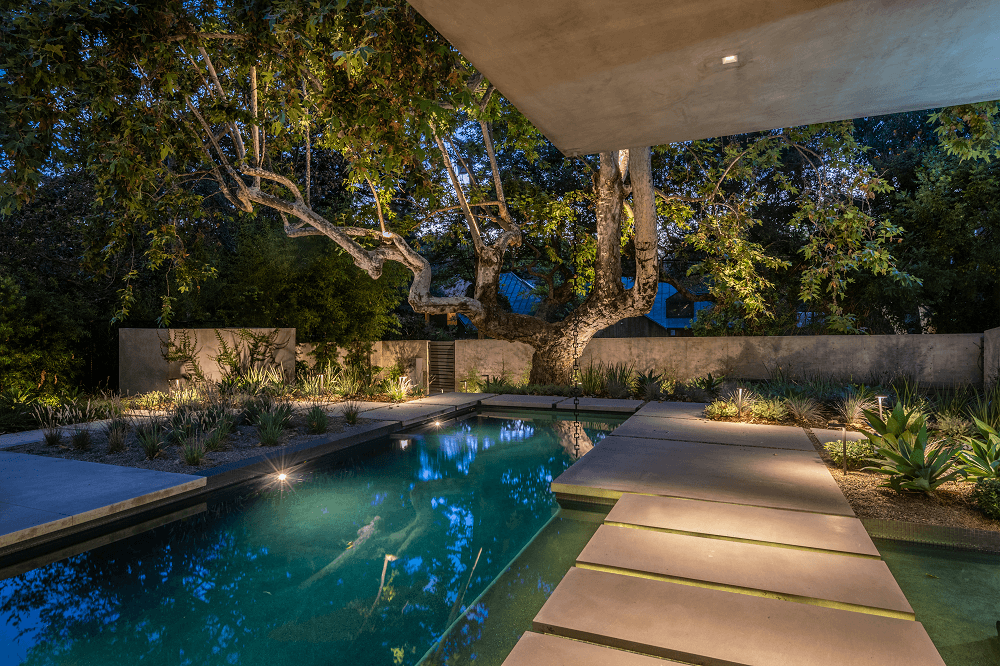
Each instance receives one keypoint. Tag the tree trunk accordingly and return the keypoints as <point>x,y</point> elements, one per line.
<point>553,363</point>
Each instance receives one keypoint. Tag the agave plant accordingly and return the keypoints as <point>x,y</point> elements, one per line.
<point>982,461</point>
<point>649,385</point>
<point>903,454</point>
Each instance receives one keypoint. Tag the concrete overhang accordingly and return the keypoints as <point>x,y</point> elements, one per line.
<point>597,75</point>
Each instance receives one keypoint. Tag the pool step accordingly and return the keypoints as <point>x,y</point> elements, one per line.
<point>820,579</point>
<point>713,627</point>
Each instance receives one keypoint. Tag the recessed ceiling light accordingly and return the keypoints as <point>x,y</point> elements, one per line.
<point>729,60</point>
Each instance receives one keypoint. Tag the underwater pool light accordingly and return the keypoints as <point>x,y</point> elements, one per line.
<point>282,476</point>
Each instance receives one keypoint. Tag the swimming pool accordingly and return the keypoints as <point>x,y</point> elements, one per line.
<point>359,564</point>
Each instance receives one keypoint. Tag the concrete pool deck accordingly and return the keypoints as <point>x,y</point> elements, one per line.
<point>727,544</point>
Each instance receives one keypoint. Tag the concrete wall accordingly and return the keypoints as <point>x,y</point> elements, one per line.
<point>142,368</point>
<point>493,358</point>
<point>941,360</point>
<point>991,357</point>
<point>412,353</point>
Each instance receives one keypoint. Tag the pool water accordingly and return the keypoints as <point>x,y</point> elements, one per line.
<point>366,564</point>
<point>955,594</point>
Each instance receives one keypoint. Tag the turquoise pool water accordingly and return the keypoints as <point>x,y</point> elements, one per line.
<point>955,594</point>
<point>359,565</point>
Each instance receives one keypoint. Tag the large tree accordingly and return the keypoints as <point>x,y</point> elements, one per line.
<point>160,101</point>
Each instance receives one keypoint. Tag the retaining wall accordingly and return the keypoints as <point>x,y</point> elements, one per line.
<point>142,368</point>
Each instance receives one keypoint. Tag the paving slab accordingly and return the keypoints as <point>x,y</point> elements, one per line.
<point>524,401</point>
<point>674,410</point>
<point>544,650</point>
<point>754,476</point>
<point>362,406</point>
<point>602,405</point>
<point>43,495</point>
<point>822,579</point>
<point>839,534</point>
<point>456,400</point>
<point>407,413</point>
<point>716,628</point>
<point>717,432</point>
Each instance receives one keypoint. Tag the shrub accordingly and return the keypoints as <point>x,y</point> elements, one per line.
<point>720,409</point>
<point>648,385</point>
<point>255,406</point>
<point>987,496</point>
<point>619,379</point>
<point>769,410</point>
<point>744,400</point>
<point>398,389</point>
<point>911,465</point>
<point>316,420</point>
<point>472,381</point>
<point>858,453</point>
<point>151,436</point>
<point>116,432</point>
<point>953,425</point>
<point>50,418</point>
<point>707,383</point>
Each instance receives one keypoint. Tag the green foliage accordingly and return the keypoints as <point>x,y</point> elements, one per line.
<point>986,494</point>
<point>317,420</point>
<point>707,383</point>
<point>270,428</point>
<point>904,456</point>
<point>116,432</point>
<point>184,423</point>
<point>152,436</point>
<point>350,411</point>
<point>982,460</point>
<point>803,409</point>
<point>81,439</point>
<point>721,409</point>
<point>858,452</point>
<point>592,380</point>
<point>769,410</point>
<point>193,449</point>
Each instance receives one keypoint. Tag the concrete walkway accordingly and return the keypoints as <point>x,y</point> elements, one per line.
<point>727,544</point>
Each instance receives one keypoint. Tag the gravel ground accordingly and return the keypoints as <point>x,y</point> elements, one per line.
<point>950,506</point>
<point>242,443</point>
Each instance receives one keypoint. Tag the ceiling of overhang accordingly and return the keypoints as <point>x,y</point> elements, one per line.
<point>602,75</point>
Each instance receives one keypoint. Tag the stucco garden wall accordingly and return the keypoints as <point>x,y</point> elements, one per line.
<point>142,368</point>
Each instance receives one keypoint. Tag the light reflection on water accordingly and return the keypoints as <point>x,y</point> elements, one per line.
<point>355,566</point>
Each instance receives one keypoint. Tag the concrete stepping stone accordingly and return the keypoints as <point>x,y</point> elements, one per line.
<point>602,405</point>
<point>524,401</point>
<point>456,400</point>
<point>717,432</point>
<point>408,413</point>
<point>544,650</point>
<point>753,476</point>
<point>821,579</point>
<point>86,491</point>
<point>713,627</point>
<point>839,534</point>
<point>674,410</point>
